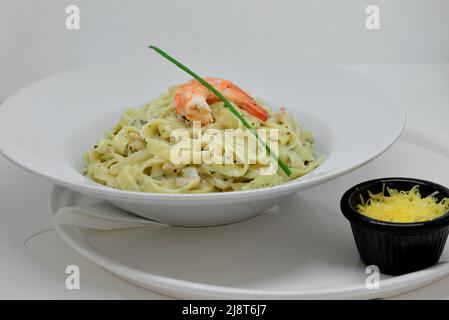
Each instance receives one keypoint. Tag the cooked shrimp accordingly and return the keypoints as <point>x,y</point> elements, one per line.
<point>192,100</point>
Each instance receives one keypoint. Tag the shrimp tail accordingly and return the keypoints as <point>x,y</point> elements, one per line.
<point>255,110</point>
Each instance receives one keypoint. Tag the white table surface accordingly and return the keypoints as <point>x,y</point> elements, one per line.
<point>34,257</point>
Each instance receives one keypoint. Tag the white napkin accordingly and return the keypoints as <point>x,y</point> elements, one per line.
<point>102,216</point>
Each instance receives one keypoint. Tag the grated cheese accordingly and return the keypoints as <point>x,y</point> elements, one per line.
<point>403,206</point>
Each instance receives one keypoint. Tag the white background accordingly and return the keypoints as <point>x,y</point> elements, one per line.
<point>408,56</point>
<point>34,42</point>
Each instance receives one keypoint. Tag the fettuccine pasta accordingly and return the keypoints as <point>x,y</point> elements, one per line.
<point>135,154</point>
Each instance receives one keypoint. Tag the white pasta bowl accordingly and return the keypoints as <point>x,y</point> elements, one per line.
<point>47,127</point>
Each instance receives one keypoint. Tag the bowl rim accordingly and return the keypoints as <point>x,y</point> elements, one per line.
<point>90,187</point>
<point>355,217</point>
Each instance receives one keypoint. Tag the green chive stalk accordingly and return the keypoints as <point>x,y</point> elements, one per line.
<point>227,104</point>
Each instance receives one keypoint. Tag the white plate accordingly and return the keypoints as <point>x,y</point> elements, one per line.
<point>47,127</point>
<point>300,249</point>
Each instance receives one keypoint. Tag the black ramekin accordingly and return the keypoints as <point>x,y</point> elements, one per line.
<point>396,248</point>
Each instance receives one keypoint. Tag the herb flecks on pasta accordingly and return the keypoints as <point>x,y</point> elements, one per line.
<point>135,154</point>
